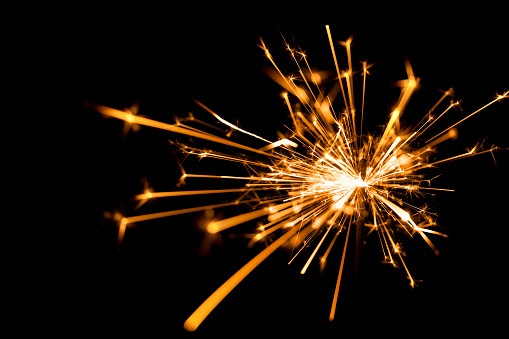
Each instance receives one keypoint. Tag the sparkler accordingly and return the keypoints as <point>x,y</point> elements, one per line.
<point>311,186</point>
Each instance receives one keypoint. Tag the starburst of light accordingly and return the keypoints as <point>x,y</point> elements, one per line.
<point>326,175</point>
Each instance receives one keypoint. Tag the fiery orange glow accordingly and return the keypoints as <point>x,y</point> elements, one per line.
<point>326,175</point>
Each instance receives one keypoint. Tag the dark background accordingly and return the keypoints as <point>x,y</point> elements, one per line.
<point>157,278</point>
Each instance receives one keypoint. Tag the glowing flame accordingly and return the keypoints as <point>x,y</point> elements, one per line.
<point>324,174</point>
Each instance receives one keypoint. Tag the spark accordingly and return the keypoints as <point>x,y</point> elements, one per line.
<point>316,182</point>
<point>498,98</point>
<point>336,64</point>
<point>338,283</point>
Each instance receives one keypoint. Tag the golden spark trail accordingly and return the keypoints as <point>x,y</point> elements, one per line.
<point>275,225</point>
<point>436,189</point>
<point>435,120</point>
<point>221,225</point>
<point>364,72</point>
<point>350,95</point>
<point>192,323</point>
<point>323,259</point>
<point>156,124</point>
<point>153,195</point>
<point>286,82</point>
<point>338,283</point>
<point>471,153</point>
<point>336,64</point>
<point>239,178</point>
<point>229,124</point>
<point>304,269</point>
<point>428,116</point>
<point>500,97</point>
<point>217,226</point>
<point>145,217</point>
<point>446,94</point>
<point>285,96</point>
<point>350,73</point>
<point>382,229</point>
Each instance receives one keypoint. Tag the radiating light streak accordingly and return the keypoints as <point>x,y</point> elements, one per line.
<point>304,269</point>
<point>230,124</point>
<point>158,215</point>
<point>435,120</point>
<point>197,317</point>
<point>156,124</point>
<point>285,96</point>
<point>323,259</point>
<point>282,142</point>
<point>338,282</point>
<point>336,64</point>
<point>350,96</point>
<point>500,97</point>
<point>364,73</point>
<point>456,157</point>
<point>238,178</point>
<point>154,195</point>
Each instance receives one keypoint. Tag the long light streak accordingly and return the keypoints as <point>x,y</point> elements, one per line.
<point>132,119</point>
<point>340,274</point>
<point>336,64</point>
<point>498,98</point>
<point>211,302</point>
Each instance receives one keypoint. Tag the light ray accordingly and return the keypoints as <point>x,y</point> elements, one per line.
<point>156,124</point>
<point>336,64</point>
<point>192,323</point>
<point>338,283</point>
<point>498,98</point>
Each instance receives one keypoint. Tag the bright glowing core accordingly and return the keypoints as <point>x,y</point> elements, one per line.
<point>360,183</point>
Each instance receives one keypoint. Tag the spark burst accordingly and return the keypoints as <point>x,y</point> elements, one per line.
<point>323,177</point>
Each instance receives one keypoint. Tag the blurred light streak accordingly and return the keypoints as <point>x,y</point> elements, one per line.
<point>192,323</point>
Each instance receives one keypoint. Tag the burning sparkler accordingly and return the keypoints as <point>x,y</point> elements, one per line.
<point>325,176</point>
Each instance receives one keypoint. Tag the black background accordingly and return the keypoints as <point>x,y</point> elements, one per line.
<point>157,278</point>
